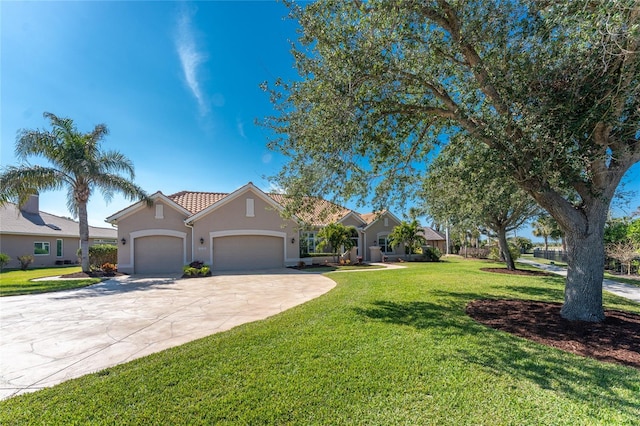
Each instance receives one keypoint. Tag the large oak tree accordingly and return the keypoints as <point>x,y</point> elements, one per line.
<point>550,87</point>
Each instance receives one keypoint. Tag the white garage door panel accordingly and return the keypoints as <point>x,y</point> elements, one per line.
<point>248,252</point>
<point>158,255</point>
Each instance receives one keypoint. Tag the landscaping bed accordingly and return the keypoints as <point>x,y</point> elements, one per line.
<point>617,339</point>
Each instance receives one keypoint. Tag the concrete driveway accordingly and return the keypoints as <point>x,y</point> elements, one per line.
<point>48,338</point>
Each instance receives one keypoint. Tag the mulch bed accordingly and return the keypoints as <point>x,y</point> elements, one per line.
<point>519,272</point>
<point>615,340</point>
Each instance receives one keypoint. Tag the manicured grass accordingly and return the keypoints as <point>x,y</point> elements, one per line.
<point>622,279</point>
<point>384,347</point>
<point>333,268</point>
<point>17,282</point>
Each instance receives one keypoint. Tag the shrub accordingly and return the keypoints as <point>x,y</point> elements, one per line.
<point>432,254</point>
<point>100,254</point>
<point>4,259</point>
<point>196,264</point>
<point>25,260</point>
<point>189,271</point>
<point>196,269</point>
<point>108,268</point>
<point>494,252</point>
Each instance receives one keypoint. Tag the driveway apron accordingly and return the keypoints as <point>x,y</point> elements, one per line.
<point>48,338</point>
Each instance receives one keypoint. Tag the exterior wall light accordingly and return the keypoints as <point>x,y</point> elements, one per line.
<point>201,240</point>
<point>293,240</point>
<point>123,241</point>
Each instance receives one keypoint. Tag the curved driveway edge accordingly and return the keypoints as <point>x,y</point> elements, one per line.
<point>48,338</point>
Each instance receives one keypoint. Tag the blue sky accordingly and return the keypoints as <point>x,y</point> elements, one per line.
<point>177,84</point>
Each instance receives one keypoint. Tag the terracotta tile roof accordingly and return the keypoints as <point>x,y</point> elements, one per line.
<point>196,201</point>
<point>314,211</point>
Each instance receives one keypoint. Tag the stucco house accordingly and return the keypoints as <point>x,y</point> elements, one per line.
<point>242,230</point>
<point>50,239</point>
<point>435,239</point>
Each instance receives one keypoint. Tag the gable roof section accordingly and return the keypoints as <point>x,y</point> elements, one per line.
<point>218,200</point>
<point>430,234</point>
<point>141,204</point>
<point>371,218</point>
<point>16,222</point>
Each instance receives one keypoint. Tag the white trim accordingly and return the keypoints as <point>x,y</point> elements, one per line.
<point>61,247</point>
<point>248,232</point>
<point>153,233</point>
<point>136,206</point>
<point>48,243</point>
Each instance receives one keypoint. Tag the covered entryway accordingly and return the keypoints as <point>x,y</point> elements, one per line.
<point>158,254</point>
<point>248,252</point>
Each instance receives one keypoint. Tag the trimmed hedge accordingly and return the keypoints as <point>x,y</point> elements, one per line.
<point>100,254</point>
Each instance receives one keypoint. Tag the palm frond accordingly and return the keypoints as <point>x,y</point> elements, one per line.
<point>18,183</point>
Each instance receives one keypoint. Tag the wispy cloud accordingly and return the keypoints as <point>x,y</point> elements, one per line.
<point>240,126</point>
<point>190,56</point>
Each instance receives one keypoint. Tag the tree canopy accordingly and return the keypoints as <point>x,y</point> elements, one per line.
<point>408,233</point>
<point>549,87</point>
<point>335,237</point>
<point>464,185</point>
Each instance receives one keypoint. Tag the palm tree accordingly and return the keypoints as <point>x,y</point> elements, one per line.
<point>77,163</point>
<point>543,227</point>
<point>334,237</point>
<point>408,233</point>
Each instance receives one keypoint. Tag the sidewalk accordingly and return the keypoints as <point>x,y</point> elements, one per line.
<point>624,290</point>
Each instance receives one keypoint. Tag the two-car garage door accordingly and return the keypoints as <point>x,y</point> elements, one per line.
<point>247,252</point>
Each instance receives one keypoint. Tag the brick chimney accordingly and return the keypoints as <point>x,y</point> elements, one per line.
<point>32,205</point>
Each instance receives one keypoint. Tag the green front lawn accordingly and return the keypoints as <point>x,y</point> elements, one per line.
<point>16,282</point>
<point>383,347</point>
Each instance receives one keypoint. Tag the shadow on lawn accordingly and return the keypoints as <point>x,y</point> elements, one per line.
<point>504,354</point>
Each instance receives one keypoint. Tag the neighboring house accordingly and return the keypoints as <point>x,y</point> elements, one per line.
<point>435,239</point>
<point>51,240</point>
<point>243,230</point>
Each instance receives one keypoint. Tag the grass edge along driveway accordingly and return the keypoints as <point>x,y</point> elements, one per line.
<point>383,347</point>
<point>17,282</point>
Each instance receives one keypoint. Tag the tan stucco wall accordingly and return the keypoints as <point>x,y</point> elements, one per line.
<point>377,227</point>
<point>144,219</point>
<point>232,216</point>
<point>18,245</point>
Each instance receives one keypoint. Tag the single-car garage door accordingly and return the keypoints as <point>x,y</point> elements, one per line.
<point>158,254</point>
<point>246,252</point>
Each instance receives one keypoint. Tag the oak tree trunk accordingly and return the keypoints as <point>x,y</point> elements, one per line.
<point>504,248</point>
<point>585,253</point>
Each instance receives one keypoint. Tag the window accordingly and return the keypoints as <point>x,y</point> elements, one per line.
<point>383,242</point>
<point>159,211</point>
<point>250,207</point>
<point>59,248</point>
<point>308,242</point>
<point>41,248</point>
